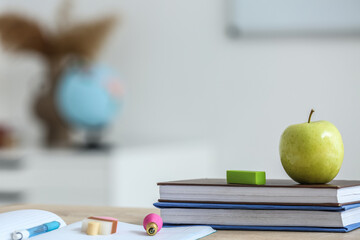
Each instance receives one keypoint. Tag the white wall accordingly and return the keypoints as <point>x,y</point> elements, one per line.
<point>186,80</point>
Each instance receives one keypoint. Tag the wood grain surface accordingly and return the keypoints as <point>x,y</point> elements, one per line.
<point>72,214</point>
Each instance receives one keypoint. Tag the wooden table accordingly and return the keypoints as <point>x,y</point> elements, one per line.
<point>135,215</point>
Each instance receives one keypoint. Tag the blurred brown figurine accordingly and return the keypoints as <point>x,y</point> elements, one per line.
<point>6,137</point>
<point>71,42</point>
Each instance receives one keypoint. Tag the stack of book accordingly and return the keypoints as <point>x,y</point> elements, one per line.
<point>277,205</point>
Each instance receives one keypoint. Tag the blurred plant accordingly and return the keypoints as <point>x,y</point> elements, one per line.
<point>71,42</point>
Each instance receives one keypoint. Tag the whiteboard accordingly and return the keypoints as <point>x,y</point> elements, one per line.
<point>293,17</point>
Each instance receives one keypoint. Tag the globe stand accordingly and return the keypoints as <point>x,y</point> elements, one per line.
<point>93,142</point>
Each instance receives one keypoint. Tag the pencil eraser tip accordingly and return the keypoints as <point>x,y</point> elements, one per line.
<point>153,218</point>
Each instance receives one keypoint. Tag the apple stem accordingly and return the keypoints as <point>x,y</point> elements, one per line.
<point>312,111</point>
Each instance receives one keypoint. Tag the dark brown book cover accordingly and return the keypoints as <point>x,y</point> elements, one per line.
<point>335,184</point>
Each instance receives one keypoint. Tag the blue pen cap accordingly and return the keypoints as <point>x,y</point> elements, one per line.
<point>52,225</point>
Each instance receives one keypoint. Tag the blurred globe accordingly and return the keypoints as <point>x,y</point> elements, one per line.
<point>89,97</point>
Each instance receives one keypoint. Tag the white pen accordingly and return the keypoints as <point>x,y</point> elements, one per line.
<point>31,232</point>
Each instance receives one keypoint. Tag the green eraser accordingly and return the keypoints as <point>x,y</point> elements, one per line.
<point>245,177</point>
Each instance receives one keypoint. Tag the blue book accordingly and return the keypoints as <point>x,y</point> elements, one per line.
<point>262,217</point>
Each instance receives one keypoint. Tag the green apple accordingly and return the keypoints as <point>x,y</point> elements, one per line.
<point>312,152</point>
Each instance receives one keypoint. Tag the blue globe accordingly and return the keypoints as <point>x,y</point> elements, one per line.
<point>89,97</point>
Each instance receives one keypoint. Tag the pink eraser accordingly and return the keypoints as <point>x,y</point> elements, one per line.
<point>149,222</point>
<point>108,225</point>
<point>109,219</point>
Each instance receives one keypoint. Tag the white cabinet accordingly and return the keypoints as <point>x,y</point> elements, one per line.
<point>68,177</point>
<point>120,177</point>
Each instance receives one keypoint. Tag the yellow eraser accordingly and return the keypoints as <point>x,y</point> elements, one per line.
<point>93,228</point>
